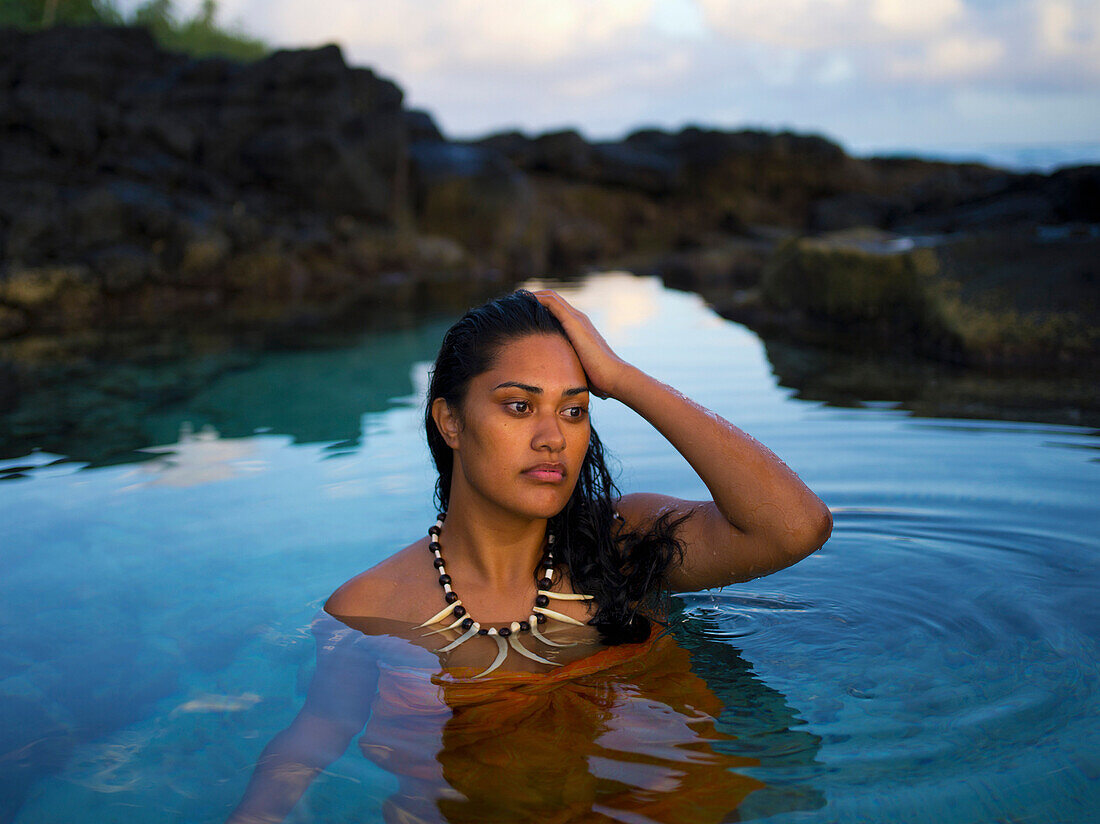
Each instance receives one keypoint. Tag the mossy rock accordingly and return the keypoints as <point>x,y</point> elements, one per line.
<point>12,321</point>
<point>858,288</point>
<point>478,215</point>
<point>203,256</point>
<point>264,272</point>
<point>844,282</point>
<point>40,286</point>
<point>53,296</point>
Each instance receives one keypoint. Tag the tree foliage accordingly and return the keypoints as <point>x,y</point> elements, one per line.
<point>199,36</point>
<point>35,14</point>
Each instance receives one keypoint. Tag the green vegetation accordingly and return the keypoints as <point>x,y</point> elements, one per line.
<point>844,282</point>
<point>35,14</point>
<point>199,36</point>
<point>908,297</point>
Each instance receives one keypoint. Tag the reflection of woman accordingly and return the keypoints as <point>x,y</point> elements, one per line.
<point>542,685</point>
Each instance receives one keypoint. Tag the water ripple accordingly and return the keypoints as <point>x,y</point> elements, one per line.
<point>924,643</point>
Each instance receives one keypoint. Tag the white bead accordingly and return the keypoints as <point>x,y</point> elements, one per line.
<point>446,587</point>
<point>515,626</point>
<point>492,630</point>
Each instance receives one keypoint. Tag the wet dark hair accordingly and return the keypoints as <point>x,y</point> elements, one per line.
<point>625,571</point>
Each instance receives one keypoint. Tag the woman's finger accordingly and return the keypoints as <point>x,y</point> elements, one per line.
<point>555,303</point>
<point>599,362</point>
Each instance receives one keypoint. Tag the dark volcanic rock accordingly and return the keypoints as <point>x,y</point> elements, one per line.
<point>569,156</point>
<point>1007,300</point>
<point>138,167</point>
<point>138,185</point>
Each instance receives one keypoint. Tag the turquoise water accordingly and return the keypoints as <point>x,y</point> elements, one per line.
<point>935,661</point>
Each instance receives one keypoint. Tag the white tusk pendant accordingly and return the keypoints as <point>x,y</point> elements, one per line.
<point>549,613</point>
<point>566,596</point>
<point>466,636</point>
<point>439,616</point>
<point>502,653</point>
<point>533,621</point>
<point>457,623</point>
<point>513,641</point>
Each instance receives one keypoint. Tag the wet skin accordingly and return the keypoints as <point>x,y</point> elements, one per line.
<point>522,433</point>
<point>519,441</point>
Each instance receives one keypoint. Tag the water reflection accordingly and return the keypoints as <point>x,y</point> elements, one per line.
<point>677,730</point>
<point>931,389</point>
<point>760,719</point>
<point>198,458</point>
<point>105,405</point>
<point>941,648</point>
<point>106,400</point>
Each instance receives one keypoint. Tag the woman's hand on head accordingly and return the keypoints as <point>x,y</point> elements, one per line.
<point>602,366</point>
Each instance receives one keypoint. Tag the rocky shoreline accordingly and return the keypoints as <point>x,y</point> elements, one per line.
<point>141,188</point>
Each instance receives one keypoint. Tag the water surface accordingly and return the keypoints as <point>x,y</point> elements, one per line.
<point>935,661</point>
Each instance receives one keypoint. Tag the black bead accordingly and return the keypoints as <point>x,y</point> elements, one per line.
<point>435,546</point>
<point>504,632</point>
<point>438,562</point>
<point>469,622</point>
<point>451,597</point>
<point>541,600</point>
<point>446,579</point>
<point>433,530</point>
<point>442,516</point>
<point>483,631</point>
<point>545,583</point>
<point>459,611</point>
<point>540,617</point>
<point>524,626</point>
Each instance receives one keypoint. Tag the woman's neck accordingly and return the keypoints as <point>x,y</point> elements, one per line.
<point>496,550</point>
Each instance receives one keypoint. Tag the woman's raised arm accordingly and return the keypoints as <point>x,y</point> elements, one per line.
<point>762,517</point>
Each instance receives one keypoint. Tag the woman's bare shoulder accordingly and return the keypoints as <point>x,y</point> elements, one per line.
<point>389,589</point>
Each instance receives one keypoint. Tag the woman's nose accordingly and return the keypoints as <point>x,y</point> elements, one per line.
<point>549,434</point>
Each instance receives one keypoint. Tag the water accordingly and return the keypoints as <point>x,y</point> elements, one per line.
<point>1044,158</point>
<point>935,661</point>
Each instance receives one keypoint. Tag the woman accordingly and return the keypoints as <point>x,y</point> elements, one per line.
<point>536,576</point>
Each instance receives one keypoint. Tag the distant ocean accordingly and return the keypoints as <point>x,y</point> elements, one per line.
<point>1034,157</point>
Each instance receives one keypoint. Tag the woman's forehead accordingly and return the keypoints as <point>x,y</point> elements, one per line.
<point>534,358</point>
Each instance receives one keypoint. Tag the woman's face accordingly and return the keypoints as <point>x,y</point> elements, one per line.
<point>524,428</point>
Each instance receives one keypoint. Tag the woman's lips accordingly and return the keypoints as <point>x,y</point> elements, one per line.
<point>551,472</point>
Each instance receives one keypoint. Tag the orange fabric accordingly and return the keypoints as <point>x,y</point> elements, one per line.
<point>626,734</point>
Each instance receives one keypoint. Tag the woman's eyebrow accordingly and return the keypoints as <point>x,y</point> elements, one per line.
<point>526,387</point>
<point>537,390</point>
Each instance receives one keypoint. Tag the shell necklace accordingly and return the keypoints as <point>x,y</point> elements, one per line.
<point>506,636</point>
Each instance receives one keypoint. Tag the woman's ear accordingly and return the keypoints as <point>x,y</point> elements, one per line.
<point>446,421</point>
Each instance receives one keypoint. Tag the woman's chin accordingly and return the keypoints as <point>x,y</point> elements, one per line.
<point>546,506</point>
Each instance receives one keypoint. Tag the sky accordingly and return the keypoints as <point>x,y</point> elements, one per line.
<point>871,74</point>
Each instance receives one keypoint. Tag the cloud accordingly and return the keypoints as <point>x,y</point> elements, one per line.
<point>951,57</point>
<point>1069,31</point>
<point>851,68</point>
<point>814,25</point>
<point>436,33</point>
<point>909,18</point>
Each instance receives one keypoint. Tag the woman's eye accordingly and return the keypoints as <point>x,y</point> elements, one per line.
<point>576,412</point>
<point>518,406</point>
